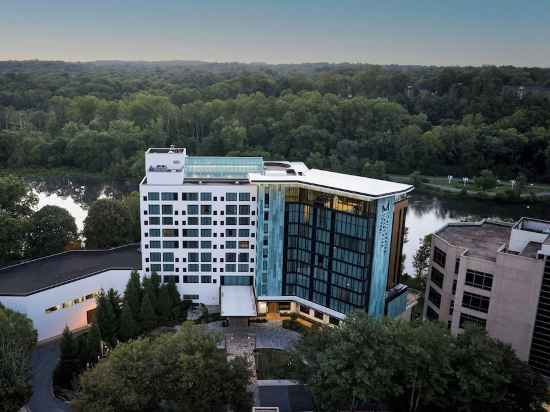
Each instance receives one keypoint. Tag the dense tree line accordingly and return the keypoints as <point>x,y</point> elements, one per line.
<point>370,364</point>
<point>99,117</point>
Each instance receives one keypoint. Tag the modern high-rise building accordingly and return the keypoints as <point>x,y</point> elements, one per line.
<point>257,236</point>
<point>495,275</point>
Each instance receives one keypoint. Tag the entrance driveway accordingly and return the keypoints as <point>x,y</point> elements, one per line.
<point>44,360</point>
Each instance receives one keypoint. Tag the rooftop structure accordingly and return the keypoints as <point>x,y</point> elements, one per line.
<point>51,271</point>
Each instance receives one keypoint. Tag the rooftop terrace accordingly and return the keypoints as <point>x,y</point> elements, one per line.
<point>33,276</point>
<point>482,239</point>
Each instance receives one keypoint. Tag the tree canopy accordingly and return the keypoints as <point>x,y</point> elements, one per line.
<point>51,229</point>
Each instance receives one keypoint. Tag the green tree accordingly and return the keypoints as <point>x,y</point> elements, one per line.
<point>69,361</point>
<point>133,294</point>
<point>93,344</point>
<point>132,205</point>
<point>51,229</point>
<point>17,342</point>
<point>182,371</point>
<point>107,224</point>
<point>179,313</point>
<point>106,319</point>
<point>16,198</point>
<point>129,328</point>
<point>486,180</point>
<point>375,170</point>
<point>148,316</point>
<point>422,262</point>
<point>116,303</point>
<point>12,237</point>
<point>164,304</point>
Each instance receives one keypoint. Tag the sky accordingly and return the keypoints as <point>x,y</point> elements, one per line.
<point>425,32</point>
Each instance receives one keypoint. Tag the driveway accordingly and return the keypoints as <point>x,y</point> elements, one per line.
<point>44,360</point>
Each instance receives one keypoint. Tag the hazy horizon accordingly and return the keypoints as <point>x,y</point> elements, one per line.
<point>424,33</point>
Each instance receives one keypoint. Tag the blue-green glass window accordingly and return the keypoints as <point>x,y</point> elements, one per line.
<point>206,244</point>
<point>206,257</point>
<point>206,279</point>
<point>154,220</point>
<point>193,267</point>
<point>168,267</point>
<point>154,232</point>
<point>153,196</point>
<point>155,267</point>
<point>231,244</point>
<point>169,196</point>
<point>154,209</point>
<point>243,257</point>
<point>244,209</point>
<point>170,244</point>
<point>230,257</point>
<point>230,267</point>
<point>206,232</point>
<point>191,279</point>
<point>244,197</point>
<point>192,221</point>
<point>192,209</point>
<point>193,257</point>
<point>206,267</point>
<point>231,220</point>
<point>154,244</point>
<point>230,210</point>
<point>230,232</point>
<point>206,209</point>
<point>205,197</point>
<point>244,232</point>
<point>167,209</point>
<point>154,256</point>
<point>245,221</point>
<point>236,280</point>
<point>192,197</point>
<point>167,220</point>
<point>190,244</point>
<point>190,232</point>
<point>206,220</point>
<point>231,197</point>
<point>168,256</point>
<point>243,268</point>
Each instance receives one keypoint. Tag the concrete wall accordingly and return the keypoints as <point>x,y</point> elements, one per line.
<point>52,324</point>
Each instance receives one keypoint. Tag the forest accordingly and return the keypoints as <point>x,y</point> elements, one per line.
<point>98,117</point>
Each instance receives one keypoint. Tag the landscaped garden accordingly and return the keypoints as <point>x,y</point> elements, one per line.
<point>274,364</point>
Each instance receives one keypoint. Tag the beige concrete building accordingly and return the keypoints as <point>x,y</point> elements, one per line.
<point>496,275</point>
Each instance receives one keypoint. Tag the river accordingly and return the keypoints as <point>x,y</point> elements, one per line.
<point>426,213</point>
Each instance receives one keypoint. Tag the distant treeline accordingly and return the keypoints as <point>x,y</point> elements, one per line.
<point>99,117</point>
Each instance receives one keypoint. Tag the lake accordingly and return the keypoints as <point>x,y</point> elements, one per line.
<point>426,213</point>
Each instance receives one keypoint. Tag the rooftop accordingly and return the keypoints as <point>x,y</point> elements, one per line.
<point>39,274</point>
<point>482,239</point>
<point>218,167</point>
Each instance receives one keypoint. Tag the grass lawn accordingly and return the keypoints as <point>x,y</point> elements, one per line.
<point>273,364</point>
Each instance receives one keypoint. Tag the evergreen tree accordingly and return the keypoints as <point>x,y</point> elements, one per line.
<point>69,362</point>
<point>129,328</point>
<point>115,300</point>
<point>148,315</point>
<point>175,301</point>
<point>93,344</point>
<point>165,305</point>
<point>133,295</point>
<point>106,319</point>
<point>150,288</point>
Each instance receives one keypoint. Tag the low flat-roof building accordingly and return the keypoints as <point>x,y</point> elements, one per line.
<point>495,275</point>
<point>60,290</point>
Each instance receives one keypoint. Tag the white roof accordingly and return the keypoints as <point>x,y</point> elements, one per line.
<point>349,185</point>
<point>238,301</point>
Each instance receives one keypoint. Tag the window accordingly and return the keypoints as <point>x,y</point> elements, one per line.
<point>191,279</point>
<point>479,280</point>
<point>440,257</point>
<point>206,209</point>
<point>475,302</point>
<point>170,244</point>
<point>154,209</point>
<point>244,232</point>
<point>206,279</point>
<point>168,267</point>
<point>244,221</point>
<point>168,256</point>
<point>206,257</point>
<point>206,244</point>
<point>431,314</point>
<point>192,197</point>
<point>167,209</point>
<point>266,215</point>
<point>154,220</point>
<point>190,297</point>
<point>171,278</point>
<point>154,232</point>
<point>243,267</point>
<point>243,257</point>
<point>231,244</point>
<point>167,220</point>
<point>266,200</point>
<point>318,315</point>
<point>457,265</point>
<point>206,220</point>
<point>243,244</point>
<point>230,257</point>
<point>230,268</point>
<point>236,280</point>
<point>206,232</point>
<point>190,244</point>
<point>454,287</point>
<point>231,197</point>
<point>230,233</point>
<point>154,244</point>
<point>192,221</point>
<point>155,267</point>
<point>206,267</point>
<point>434,296</point>
<point>192,209</point>
<point>193,267</point>
<point>190,232</point>
<point>244,209</point>
<point>467,320</point>
<point>437,277</point>
<point>206,197</point>
<point>304,309</point>
<point>155,256</point>
<point>169,196</point>
<point>170,232</point>
<point>244,197</point>
<point>230,209</point>
<point>193,257</point>
<point>153,196</point>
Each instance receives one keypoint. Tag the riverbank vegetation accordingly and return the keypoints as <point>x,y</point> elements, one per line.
<point>99,117</point>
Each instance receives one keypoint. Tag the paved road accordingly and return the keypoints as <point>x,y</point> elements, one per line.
<point>44,360</point>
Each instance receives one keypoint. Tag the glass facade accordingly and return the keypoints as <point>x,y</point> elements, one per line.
<point>212,167</point>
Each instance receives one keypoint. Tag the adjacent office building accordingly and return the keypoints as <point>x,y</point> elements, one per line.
<point>258,236</point>
<point>497,276</point>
